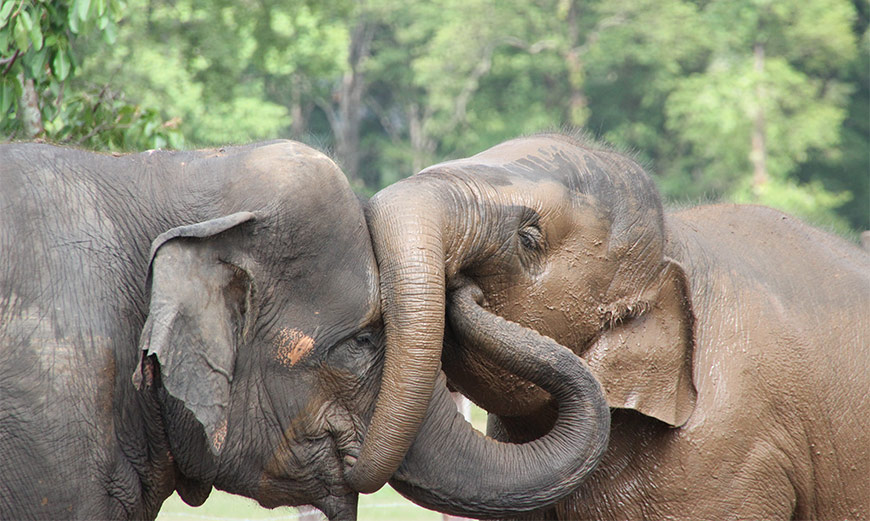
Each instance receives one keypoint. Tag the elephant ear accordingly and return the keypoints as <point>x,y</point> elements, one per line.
<point>197,316</point>
<point>644,362</point>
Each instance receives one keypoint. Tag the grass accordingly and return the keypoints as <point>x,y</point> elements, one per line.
<point>384,505</point>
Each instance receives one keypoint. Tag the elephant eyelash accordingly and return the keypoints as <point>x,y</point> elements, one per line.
<point>620,312</point>
<point>531,237</point>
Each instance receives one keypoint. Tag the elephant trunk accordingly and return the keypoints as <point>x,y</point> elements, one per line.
<point>454,469</point>
<point>409,249</point>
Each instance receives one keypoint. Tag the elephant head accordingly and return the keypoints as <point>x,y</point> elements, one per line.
<point>552,235</point>
<point>261,344</point>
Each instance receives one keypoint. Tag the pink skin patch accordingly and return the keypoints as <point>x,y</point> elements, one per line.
<point>217,439</point>
<point>291,346</point>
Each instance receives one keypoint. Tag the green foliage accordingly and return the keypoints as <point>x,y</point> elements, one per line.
<point>750,100</point>
<point>768,78</point>
<point>38,64</point>
<point>102,119</point>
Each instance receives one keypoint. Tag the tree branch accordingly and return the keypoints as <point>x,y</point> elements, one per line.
<point>10,61</point>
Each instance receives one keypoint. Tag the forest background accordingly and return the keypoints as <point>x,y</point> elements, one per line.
<point>756,101</point>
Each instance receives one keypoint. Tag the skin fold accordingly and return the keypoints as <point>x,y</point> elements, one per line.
<point>730,341</point>
<point>178,321</point>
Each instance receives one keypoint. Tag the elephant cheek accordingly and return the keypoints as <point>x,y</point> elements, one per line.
<point>559,309</point>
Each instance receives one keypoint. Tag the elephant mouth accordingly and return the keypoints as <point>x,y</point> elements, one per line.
<point>311,473</point>
<point>309,465</point>
<point>340,450</point>
<point>487,383</point>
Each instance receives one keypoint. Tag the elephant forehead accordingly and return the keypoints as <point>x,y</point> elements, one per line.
<point>544,196</point>
<point>289,169</point>
<point>513,170</point>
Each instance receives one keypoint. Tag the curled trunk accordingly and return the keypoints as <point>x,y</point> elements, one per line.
<point>410,257</point>
<point>454,469</point>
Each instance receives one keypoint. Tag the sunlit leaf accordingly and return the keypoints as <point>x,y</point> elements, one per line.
<point>73,20</point>
<point>21,34</point>
<point>82,7</point>
<point>25,20</point>
<point>6,11</point>
<point>36,36</point>
<point>61,65</point>
<point>110,34</point>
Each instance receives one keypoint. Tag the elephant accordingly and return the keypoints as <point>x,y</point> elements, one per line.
<point>189,320</point>
<point>178,321</point>
<point>732,342</point>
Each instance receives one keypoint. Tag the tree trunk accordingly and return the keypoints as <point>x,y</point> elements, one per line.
<point>28,106</point>
<point>758,150</point>
<point>578,107</point>
<point>299,111</point>
<point>345,121</point>
<point>422,145</point>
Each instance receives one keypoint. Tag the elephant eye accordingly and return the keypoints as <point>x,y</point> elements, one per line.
<point>357,355</point>
<point>531,237</point>
<point>364,340</point>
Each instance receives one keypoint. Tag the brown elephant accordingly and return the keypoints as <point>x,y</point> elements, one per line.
<point>732,342</point>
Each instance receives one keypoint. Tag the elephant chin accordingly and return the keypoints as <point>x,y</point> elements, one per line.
<point>454,469</point>
<point>339,508</point>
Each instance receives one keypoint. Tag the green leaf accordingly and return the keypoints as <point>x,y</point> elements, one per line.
<point>82,7</point>
<point>24,18</point>
<point>36,63</point>
<point>73,21</point>
<point>49,111</point>
<point>7,96</point>
<point>110,34</point>
<point>116,7</point>
<point>20,33</point>
<point>36,36</point>
<point>61,65</point>
<point>5,11</point>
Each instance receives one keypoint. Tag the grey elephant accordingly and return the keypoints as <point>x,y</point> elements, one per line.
<point>732,342</point>
<point>188,320</point>
<point>177,321</point>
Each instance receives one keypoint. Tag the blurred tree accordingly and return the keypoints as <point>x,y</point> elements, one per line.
<point>748,100</point>
<point>428,61</point>
<point>768,98</point>
<point>37,66</point>
<point>847,168</point>
<point>236,71</point>
<point>191,59</point>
